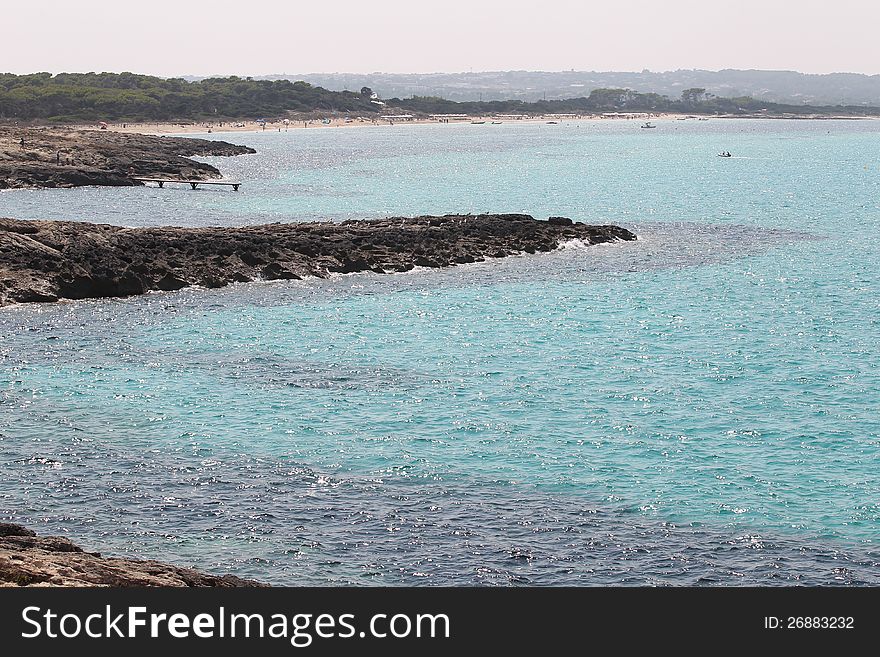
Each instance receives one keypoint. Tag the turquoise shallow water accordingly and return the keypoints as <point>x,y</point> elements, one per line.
<point>699,406</point>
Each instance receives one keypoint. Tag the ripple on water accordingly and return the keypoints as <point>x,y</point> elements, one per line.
<point>288,525</point>
<point>696,407</point>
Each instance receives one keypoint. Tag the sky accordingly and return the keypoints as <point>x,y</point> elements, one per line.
<point>211,37</point>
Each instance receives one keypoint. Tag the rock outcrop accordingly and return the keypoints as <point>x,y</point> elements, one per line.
<point>30,560</point>
<point>65,157</point>
<point>51,260</point>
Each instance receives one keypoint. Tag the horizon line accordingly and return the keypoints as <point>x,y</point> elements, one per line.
<point>468,72</point>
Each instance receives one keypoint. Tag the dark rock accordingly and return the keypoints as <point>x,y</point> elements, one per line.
<point>47,260</point>
<point>27,560</point>
<point>9,529</point>
<point>99,157</point>
<point>170,282</point>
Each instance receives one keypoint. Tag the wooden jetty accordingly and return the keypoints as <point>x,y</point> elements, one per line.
<point>192,183</point>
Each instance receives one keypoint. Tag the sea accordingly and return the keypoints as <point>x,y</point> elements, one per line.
<point>698,407</point>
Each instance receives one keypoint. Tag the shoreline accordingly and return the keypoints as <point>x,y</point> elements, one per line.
<point>27,559</point>
<point>69,157</point>
<point>46,261</point>
<point>163,128</point>
<point>224,127</point>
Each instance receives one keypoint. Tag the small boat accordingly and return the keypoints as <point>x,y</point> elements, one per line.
<point>496,122</point>
<point>478,122</point>
<point>725,154</point>
<point>703,118</point>
<point>552,122</point>
<point>649,125</point>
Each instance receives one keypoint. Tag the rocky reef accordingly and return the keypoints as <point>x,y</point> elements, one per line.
<point>66,157</point>
<point>30,560</point>
<point>51,260</point>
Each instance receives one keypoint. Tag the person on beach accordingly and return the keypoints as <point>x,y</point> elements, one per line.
<point>21,143</point>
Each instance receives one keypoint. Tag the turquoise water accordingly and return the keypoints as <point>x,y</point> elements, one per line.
<point>699,406</point>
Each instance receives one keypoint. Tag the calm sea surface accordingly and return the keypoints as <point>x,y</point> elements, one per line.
<point>700,406</point>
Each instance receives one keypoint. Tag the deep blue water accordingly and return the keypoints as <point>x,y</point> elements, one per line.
<point>699,406</point>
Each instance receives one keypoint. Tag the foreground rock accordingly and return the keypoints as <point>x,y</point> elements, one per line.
<point>51,260</point>
<point>66,157</point>
<point>30,560</point>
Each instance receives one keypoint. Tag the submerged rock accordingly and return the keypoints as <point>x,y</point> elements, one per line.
<point>30,560</point>
<point>51,260</point>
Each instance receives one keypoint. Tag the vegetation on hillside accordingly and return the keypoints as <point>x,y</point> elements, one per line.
<point>120,96</point>
<point>787,87</point>
<point>70,97</point>
<point>692,101</point>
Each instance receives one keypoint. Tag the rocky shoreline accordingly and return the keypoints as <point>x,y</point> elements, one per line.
<point>43,261</point>
<point>67,157</point>
<point>30,560</point>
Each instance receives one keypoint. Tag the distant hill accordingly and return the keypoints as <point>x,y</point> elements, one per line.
<point>787,87</point>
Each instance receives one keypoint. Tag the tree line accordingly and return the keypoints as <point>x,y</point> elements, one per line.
<point>692,101</point>
<point>70,97</point>
<point>120,96</point>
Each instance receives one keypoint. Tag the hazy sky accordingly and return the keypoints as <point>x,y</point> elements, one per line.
<point>262,37</point>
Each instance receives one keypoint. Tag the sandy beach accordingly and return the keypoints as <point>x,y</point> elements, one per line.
<point>278,125</point>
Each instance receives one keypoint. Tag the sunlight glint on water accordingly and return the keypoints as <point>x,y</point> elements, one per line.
<point>697,406</point>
